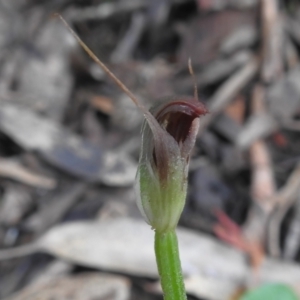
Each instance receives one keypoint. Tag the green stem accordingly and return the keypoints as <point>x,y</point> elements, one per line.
<point>168,263</point>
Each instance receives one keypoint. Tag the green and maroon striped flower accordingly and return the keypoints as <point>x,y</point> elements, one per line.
<point>167,141</point>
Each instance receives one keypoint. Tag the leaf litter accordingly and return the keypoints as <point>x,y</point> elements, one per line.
<point>69,139</point>
<point>111,245</point>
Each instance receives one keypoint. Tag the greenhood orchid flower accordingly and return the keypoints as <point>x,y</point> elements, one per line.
<point>161,180</point>
<point>168,136</point>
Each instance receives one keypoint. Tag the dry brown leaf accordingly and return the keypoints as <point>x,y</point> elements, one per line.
<point>102,103</point>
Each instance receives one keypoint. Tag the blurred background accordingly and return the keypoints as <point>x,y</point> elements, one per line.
<point>70,139</point>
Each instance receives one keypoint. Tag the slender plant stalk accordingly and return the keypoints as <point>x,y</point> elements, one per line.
<point>169,267</point>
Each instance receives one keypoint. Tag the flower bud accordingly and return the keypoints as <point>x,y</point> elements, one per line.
<point>161,180</point>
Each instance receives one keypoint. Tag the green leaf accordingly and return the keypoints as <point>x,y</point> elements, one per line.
<point>271,291</point>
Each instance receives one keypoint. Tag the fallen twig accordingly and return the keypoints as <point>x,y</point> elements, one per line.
<point>284,199</point>
<point>12,169</point>
<point>272,64</point>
